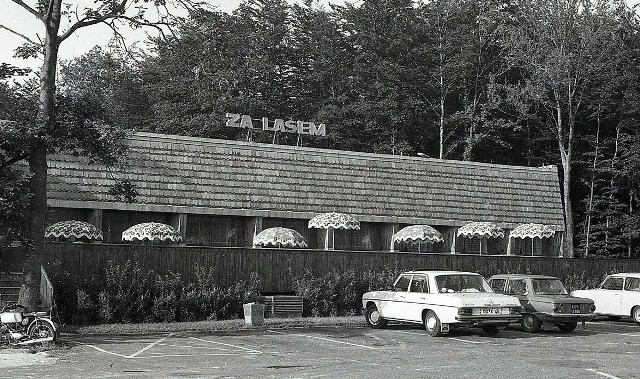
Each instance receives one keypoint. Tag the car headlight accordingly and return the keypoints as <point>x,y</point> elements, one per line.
<point>593,308</point>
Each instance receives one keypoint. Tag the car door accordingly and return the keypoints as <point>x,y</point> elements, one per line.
<point>630,294</point>
<point>416,298</point>
<point>608,298</point>
<point>394,306</point>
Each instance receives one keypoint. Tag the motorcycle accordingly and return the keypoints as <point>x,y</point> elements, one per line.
<point>18,327</point>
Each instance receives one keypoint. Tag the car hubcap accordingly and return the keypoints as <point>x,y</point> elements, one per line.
<point>637,314</point>
<point>431,323</point>
<point>528,321</point>
<point>374,317</point>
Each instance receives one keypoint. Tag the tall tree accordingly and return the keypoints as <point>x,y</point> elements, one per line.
<point>53,16</point>
<point>565,48</point>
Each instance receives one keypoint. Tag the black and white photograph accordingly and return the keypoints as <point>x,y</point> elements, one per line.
<point>320,189</point>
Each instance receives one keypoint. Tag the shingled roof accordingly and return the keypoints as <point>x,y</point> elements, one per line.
<point>206,176</point>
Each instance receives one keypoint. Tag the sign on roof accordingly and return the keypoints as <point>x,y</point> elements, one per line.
<point>236,120</point>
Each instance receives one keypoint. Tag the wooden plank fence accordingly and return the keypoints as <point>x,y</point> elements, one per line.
<point>275,266</point>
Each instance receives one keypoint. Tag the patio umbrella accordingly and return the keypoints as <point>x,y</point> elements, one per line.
<point>482,230</point>
<point>532,231</point>
<point>152,231</point>
<point>73,230</point>
<point>418,234</point>
<point>334,220</point>
<point>279,237</point>
<point>331,221</point>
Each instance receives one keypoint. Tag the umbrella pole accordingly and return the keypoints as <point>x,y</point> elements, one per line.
<point>509,246</point>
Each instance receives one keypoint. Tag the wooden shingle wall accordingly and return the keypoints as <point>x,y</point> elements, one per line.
<point>204,176</point>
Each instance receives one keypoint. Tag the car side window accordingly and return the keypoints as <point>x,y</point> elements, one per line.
<point>613,283</point>
<point>516,287</point>
<point>497,285</point>
<point>419,284</point>
<point>402,284</point>
<point>632,284</point>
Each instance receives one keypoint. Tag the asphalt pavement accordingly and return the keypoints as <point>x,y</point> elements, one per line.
<point>603,349</point>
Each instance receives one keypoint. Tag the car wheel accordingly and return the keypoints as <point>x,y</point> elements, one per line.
<point>490,330</point>
<point>567,327</point>
<point>530,323</point>
<point>635,314</point>
<point>432,324</point>
<point>614,318</point>
<point>374,318</point>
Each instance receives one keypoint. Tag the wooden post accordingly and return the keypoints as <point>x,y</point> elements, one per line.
<point>388,230</point>
<point>179,221</point>
<point>253,227</point>
<point>95,219</point>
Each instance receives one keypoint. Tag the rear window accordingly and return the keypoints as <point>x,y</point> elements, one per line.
<point>632,284</point>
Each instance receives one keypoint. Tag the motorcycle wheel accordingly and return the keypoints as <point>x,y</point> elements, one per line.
<point>41,329</point>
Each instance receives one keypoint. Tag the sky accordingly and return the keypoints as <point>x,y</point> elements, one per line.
<point>16,18</point>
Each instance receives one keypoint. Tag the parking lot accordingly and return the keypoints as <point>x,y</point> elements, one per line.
<point>603,349</point>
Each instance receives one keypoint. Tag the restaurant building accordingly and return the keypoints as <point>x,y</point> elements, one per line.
<point>221,193</point>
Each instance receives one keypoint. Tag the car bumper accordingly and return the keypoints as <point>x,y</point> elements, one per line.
<point>564,317</point>
<point>487,320</point>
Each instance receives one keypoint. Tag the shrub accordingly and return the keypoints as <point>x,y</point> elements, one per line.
<point>127,294</point>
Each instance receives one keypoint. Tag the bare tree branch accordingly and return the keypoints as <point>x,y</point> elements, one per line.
<point>19,34</point>
<point>88,21</point>
<point>28,8</point>
<point>13,160</point>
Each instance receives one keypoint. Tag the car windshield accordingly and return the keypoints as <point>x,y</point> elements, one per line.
<point>548,287</point>
<point>461,283</point>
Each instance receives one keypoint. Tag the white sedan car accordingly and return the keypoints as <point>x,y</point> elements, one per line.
<point>618,296</point>
<point>441,300</point>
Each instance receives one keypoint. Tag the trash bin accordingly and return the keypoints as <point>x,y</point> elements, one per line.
<point>253,313</point>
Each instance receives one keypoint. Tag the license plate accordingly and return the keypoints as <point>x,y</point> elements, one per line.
<point>575,308</point>
<point>490,311</point>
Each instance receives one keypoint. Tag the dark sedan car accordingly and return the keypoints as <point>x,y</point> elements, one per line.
<point>544,300</point>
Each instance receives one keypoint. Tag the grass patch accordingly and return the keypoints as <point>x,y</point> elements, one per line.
<point>212,326</point>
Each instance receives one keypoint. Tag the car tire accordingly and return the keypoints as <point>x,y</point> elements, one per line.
<point>374,318</point>
<point>432,324</point>
<point>530,323</point>
<point>567,327</point>
<point>635,314</point>
<point>490,330</point>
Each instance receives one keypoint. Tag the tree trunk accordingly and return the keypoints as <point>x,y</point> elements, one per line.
<point>30,292</point>
<point>591,188</point>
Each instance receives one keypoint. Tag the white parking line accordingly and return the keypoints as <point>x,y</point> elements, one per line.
<point>602,373</point>
<point>104,351</point>
<point>226,344</point>
<point>325,339</point>
<point>149,346</point>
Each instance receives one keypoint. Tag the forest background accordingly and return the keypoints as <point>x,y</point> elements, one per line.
<point>516,82</point>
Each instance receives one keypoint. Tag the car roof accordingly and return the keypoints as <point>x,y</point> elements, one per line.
<point>625,274</point>
<point>522,276</point>
<point>439,272</point>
